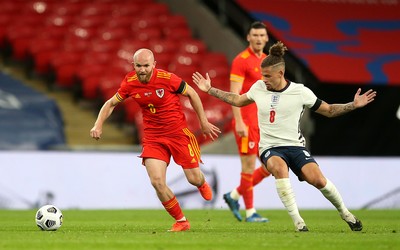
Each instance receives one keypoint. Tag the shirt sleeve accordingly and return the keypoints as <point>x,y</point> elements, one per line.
<point>250,93</point>
<point>238,72</point>
<point>309,98</point>
<point>123,91</point>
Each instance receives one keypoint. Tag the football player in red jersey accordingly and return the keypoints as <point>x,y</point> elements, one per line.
<point>165,129</point>
<point>245,71</point>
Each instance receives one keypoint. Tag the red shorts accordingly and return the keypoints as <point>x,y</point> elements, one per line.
<point>182,146</point>
<point>248,145</point>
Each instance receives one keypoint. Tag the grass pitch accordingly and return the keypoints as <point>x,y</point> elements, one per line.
<point>210,229</point>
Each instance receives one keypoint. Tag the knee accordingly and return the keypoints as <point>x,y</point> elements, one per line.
<point>278,170</point>
<point>195,180</point>
<point>318,182</point>
<point>158,184</point>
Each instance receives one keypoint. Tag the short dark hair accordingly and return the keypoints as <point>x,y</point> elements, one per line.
<point>257,25</point>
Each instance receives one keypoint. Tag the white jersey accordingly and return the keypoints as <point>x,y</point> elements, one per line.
<point>279,113</point>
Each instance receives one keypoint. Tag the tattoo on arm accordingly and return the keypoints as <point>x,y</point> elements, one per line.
<point>341,109</point>
<point>227,97</point>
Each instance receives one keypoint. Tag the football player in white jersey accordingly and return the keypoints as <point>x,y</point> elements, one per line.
<point>280,105</point>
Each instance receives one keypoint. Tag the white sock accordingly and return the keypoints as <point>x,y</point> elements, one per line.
<point>332,194</point>
<point>182,219</point>
<point>286,194</point>
<point>250,212</point>
<point>235,195</point>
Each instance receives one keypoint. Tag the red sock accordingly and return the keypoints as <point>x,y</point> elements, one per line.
<point>259,174</point>
<point>173,208</point>
<point>246,189</point>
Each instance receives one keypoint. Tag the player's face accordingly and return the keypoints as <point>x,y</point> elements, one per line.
<point>144,68</point>
<point>272,77</point>
<point>257,39</point>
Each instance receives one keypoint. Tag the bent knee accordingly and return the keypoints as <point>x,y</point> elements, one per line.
<point>278,170</point>
<point>318,182</point>
<point>158,184</point>
<point>195,181</point>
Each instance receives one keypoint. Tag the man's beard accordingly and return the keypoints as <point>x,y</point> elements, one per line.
<point>143,78</point>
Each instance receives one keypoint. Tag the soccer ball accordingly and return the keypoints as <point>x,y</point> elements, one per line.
<point>49,218</point>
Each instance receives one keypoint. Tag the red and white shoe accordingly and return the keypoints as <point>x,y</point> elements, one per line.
<point>180,226</point>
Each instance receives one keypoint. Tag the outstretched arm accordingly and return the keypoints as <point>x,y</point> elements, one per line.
<point>207,128</point>
<point>228,97</point>
<point>333,110</point>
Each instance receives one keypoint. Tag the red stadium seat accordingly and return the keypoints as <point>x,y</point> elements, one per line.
<point>147,35</point>
<point>215,58</point>
<point>6,20</point>
<point>90,84</point>
<point>119,22</point>
<point>162,46</point>
<point>184,60</point>
<point>128,47</point>
<point>155,9</point>
<point>142,22</point>
<point>178,34</point>
<point>127,10</point>
<point>172,22</point>
<point>192,46</point>
<point>97,9</point>
<point>69,8</point>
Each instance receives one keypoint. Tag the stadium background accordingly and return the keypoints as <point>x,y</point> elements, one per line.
<point>59,63</point>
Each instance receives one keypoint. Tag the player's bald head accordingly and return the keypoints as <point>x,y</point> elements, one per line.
<point>143,55</point>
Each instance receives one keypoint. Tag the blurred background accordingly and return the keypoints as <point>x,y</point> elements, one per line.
<point>60,60</point>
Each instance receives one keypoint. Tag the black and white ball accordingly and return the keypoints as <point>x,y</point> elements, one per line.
<point>49,218</point>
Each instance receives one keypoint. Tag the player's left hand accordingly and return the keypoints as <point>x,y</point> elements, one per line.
<point>210,130</point>
<point>364,99</point>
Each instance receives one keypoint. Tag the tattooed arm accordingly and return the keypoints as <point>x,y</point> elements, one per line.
<point>228,97</point>
<point>333,110</point>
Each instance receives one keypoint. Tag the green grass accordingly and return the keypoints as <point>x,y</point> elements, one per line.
<point>211,229</point>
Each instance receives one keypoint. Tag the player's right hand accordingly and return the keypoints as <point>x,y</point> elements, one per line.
<point>95,133</point>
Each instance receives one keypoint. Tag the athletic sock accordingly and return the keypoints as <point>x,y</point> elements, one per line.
<point>235,194</point>
<point>286,194</point>
<point>174,209</point>
<point>332,194</point>
<point>259,174</point>
<point>246,189</point>
<point>250,212</point>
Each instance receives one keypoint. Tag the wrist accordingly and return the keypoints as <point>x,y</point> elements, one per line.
<point>209,89</point>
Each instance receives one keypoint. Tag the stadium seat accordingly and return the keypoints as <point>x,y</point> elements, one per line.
<point>90,84</point>
<point>170,23</point>
<point>38,54</point>
<point>119,22</point>
<point>192,46</point>
<point>98,9</point>
<point>162,46</point>
<point>178,34</point>
<point>214,58</point>
<point>141,22</point>
<point>155,9</point>
<point>128,47</point>
<point>127,10</point>
<point>147,35</point>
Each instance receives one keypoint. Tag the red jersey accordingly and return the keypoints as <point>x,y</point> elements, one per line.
<point>246,68</point>
<point>159,101</point>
